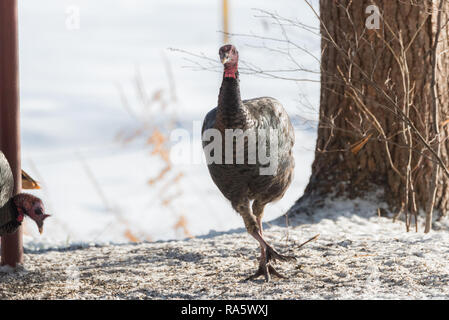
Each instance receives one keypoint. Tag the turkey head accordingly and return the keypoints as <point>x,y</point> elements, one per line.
<point>229,57</point>
<point>31,206</point>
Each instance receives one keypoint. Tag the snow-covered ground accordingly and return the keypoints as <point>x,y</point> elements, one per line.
<point>357,256</point>
<point>75,79</point>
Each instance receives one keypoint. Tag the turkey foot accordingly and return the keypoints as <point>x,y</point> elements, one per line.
<point>268,256</point>
<point>273,255</point>
<point>265,270</point>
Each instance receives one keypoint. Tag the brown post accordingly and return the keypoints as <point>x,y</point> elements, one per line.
<point>225,22</point>
<point>12,248</point>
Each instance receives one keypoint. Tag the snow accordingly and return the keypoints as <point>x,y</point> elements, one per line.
<point>356,256</point>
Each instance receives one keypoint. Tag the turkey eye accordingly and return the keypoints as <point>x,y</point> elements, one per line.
<point>39,211</point>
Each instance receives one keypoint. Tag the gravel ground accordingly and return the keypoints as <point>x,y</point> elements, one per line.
<point>355,257</point>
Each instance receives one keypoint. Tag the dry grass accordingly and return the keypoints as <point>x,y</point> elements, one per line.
<point>160,104</point>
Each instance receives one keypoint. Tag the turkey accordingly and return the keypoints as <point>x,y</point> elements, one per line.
<point>243,183</point>
<point>14,208</point>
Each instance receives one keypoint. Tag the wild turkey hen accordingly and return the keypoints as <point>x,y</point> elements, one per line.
<point>13,209</point>
<point>243,183</point>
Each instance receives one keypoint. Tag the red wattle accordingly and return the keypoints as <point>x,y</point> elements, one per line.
<point>230,71</point>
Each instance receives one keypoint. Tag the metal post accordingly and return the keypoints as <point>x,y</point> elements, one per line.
<point>225,22</point>
<point>12,248</point>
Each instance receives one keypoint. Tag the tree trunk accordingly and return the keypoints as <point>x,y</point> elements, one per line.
<point>352,156</point>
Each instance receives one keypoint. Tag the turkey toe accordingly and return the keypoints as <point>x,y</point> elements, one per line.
<point>266,270</point>
<point>273,255</point>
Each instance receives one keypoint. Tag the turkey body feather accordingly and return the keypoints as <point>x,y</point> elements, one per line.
<point>244,180</point>
<point>8,222</point>
<point>6,180</point>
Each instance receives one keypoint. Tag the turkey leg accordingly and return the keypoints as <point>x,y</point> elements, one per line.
<point>268,255</point>
<point>253,224</point>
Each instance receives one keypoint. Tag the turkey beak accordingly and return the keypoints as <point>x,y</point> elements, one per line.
<point>40,226</point>
<point>225,59</point>
<point>40,223</point>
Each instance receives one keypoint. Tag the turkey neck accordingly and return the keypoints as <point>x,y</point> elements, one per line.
<point>231,112</point>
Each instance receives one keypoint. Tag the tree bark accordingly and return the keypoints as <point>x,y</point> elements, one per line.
<point>356,57</point>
